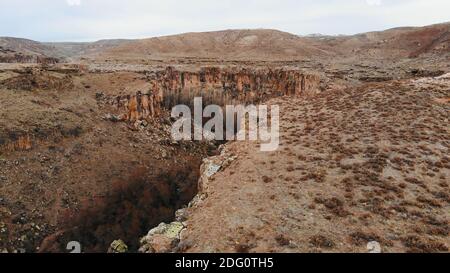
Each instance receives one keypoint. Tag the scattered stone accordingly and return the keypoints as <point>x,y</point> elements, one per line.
<point>110,117</point>
<point>283,240</point>
<point>181,215</point>
<point>212,169</point>
<point>118,246</point>
<point>164,154</point>
<point>99,95</point>
<point>321,242</point>
<point>162,239</point>
<point>3,228</point>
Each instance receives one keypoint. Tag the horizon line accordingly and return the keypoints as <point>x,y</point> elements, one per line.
<point>81,41</point>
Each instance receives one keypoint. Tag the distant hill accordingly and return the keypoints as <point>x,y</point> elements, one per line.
<point>25,51</point>
<point>257,44</point>
<point>26,47</point>
<point>406,42</point>
<point>70,50</point>
<point>261,44</point>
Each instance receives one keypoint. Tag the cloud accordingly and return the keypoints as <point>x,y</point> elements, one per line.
<point>374,2</point>
<point>73,2</point>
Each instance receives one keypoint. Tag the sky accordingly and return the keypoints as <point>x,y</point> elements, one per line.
<point>90,20</point>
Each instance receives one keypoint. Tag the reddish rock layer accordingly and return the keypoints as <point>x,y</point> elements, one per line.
<point>243,83</point>
<point>219,86</point>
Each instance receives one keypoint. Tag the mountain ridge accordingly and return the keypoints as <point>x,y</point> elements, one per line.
<point>247,44</point>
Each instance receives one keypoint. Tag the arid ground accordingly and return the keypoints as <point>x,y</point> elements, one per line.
<point>86,153</point>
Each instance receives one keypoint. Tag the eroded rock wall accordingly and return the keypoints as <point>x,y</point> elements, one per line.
<point>216,85</point>
<point>241,83</point>
<point>22,143</point>
<point>136,107</point>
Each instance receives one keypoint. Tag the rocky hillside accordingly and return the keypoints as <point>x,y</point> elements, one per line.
<point>266,44</point>
<point>15,50</point>
<point>25,46</point>
<point>363,164</point>
<point>54,139</point>
<point>363,155</point>
<point>259,44</point>
<point>59,121</point>
<point>254,45</point>
<point>405,42</point>
<point>78,50</point>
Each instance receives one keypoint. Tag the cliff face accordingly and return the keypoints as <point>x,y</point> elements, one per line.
<point>240,83</point>
<point>321,196</point>
<point>219,86</point>
<point>136,107</point>
<point>22,143</point>
<point>171,87</point>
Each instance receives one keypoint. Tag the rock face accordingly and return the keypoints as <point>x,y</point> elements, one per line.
<point>209,168</point>
<point>216,85</point>
<point>162,239</point>
<point>168,238</point>
<point>118,246</point>
<point>17,143</point>
<point>137,107</point>
<point>241,84</point>
<point>231,86</point>
<point>328,191</point>
<point>22,144</point>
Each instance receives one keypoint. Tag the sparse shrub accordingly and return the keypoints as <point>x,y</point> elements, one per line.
<point>72,132</point>
<point>321,241</point>
<point>418,245</point>
<point>360,238</point>
<point>282,240</point>
<point>334,205</point>
<point>267,179</point>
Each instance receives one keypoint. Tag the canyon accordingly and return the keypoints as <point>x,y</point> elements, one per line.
<point>170,87</point>
<point>363,179</point>
<point>86,152</point>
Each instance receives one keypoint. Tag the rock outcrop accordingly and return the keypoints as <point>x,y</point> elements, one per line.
<point>22,143</point>
<point>341,175</point>
<point>136,107</point>
<point>241,84</point>
<point>216,85</point>
<point>168,238</point>
<point>118,246</point>
<point>162,239</point>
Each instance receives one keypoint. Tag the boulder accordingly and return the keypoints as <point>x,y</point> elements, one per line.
<point>162,239</point>
<point>118,246</point>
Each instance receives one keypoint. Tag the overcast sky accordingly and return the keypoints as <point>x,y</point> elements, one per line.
<point>88,20</point>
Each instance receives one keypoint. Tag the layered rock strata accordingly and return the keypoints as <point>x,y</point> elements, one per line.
<point>245,84</point>
<point>216,85</point>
